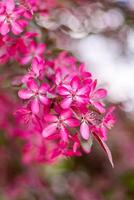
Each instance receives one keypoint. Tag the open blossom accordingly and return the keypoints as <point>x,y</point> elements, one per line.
<point>36,94</point>
<point>36,70</point>
<point>73,93</point>
<point>33,50</point>
<point>96,95</point>
<point>107,123</point>
<point>5,46</point>
<point>11,18</point>
<point>59,123</point>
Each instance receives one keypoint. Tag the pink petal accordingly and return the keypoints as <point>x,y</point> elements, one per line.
<point>35,106</point>
<point>63,91</point>
<point>49,130</point>
<point>10,5</point>
<point>58,77</point>
<point>93,85</point>
<point>44,99</point>
<point>25,94</point>
<point>2,17</point>
<point>32,85</point>
<point>81,100</point>
<point>23,23</point>
<point>99,94</point>
<point>2,9</point>
<point>84,90</point>
<point>84,130</point>
<point>66,114</point>
<point>110,119</point>
<point>4,28</point>
<point>75,83</point>
<point>75,147</point>
<point>50,118</point>
<point>99,106</point>
<point>66,103</point>
<point>26,59</point>
<point>72,122</point>
<point>64,134</point>
<point>16,28</point>
<point>55,153</point>
<point>35,66</point>
<point>40,49</point>
<point>44,88</point>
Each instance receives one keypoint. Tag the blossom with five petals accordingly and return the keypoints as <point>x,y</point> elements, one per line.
<point>59,123</point>
<point>73,93</point>
<point>36,94</point>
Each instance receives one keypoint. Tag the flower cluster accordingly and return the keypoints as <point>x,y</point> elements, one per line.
<point>11,17</point>
<point>65,106</point>
<point>61,104</point>
<point>21,49</point>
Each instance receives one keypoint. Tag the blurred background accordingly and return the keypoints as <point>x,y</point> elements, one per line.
<point>100,34</point>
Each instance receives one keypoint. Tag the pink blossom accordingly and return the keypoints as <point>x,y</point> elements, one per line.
<point>36,70</point>
<point>22,44</point>
<point>33,50</point>
<point>96,95</point>
<point>59,123</point>
<point>89,119</point>
<point>36,94</point>
<point>62,149</point>
<point>11,18</point>
<point>64,60</point>
<point>24,115</point>
<point>5,45</point>
<point>107,122</point>
<point>73,93</point>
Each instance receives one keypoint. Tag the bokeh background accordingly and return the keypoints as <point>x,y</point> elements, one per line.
<point>100,34</point>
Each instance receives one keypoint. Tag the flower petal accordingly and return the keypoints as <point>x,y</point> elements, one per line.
<point>75,83</point>
<point>50,118</point>
<point>40,49</point>
<point>44,99</point>
<point>25,94</point>
<point>32,85</point>
<point>63,91</point>
<point>65,114</point>
<point>16,28</point>
<point>72,122</point>
<point>44,88</point>
<point>64,134</point>
<point>4,28</point>
<point>26,59</point>
<point>49,130</point>
<point>81,99</point>
<point>66,103</point>
<point>84,90</point>
<point>10,5</point>
<point>84,130</point>
<point>35,66</point>
<point>99,106</point>
<point>99,94</point>
<point>35,106</point>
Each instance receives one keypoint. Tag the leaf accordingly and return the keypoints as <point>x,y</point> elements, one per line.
<point>87,144</point>
<point>105,148</point>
